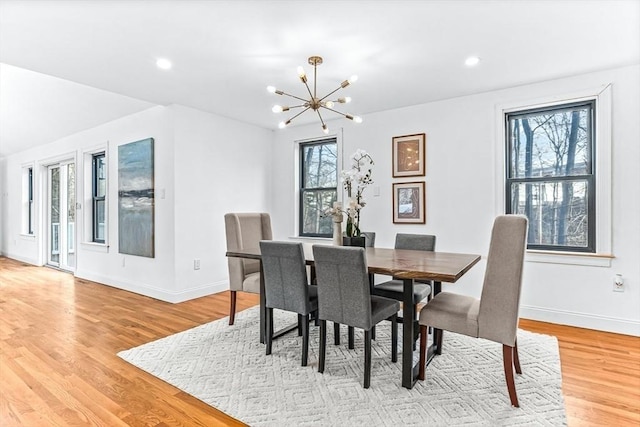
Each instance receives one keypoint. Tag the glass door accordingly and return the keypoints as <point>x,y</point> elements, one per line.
<point>62,216</point>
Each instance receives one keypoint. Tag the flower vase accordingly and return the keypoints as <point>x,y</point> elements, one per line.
<point>337,233</point>
<point>353,241</point>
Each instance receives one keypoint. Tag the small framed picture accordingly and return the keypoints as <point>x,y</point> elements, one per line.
<point>408,153</point>
<point>409,203</point>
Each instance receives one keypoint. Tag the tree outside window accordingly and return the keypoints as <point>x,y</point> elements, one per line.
<point>318,186</point>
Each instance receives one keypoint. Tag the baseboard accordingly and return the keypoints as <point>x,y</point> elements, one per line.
<point>582,320</point>
<point>26,260</point>
<point>153,291</point>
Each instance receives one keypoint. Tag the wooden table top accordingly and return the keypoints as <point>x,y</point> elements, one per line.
<point>400,263</point>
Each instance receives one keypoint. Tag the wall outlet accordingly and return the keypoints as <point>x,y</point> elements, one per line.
<point>618,283</point>
<point>196,264</point>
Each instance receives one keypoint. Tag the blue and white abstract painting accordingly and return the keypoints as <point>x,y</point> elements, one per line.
<point>136,198</point>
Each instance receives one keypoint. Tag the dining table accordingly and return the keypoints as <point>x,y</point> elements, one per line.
<point>401,264</point>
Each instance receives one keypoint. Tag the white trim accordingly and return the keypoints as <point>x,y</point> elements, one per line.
<point>95,247</point>
<point>603,177</point>
<point>87,193</point>
<point>26,260</point>
<point>582,320</point>
<point>153,291</point>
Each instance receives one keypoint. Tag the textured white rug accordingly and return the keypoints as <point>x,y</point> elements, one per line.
<point>225,366</point>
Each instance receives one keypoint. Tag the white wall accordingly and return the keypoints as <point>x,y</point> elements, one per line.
<point>220,167</point>
<point>461,194</point>
<point>205,165</point>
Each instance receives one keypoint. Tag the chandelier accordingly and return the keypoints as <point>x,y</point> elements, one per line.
<point>314,102</point>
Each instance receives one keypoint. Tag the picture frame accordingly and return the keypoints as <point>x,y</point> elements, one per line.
<point>408,154</point>
<point>409,205</point>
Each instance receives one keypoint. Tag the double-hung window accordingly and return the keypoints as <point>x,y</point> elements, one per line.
<point>99,192</point>
<point>318,186</point>
<point>550,174</point>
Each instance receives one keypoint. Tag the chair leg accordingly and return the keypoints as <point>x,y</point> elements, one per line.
<point>437,338</point>
<point>269,329</point>
<point>352,338</point>
<point>507,356</point>
<point>336,333</point>
<point>394,338</point>
<point>367,358</point>
<point>232,308</point>
<point>424,331</point>
<point>305,341</point>
<point>516,359</point>
<point>323,345</point>
<point>373,333</point>
<point>300,320</point>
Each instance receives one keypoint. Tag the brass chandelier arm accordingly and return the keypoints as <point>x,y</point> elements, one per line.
<point>321,121</point>
<point>330,93</point>
<point>292,96</point>
<point>348,116</point>
<point>308,89</point>
<point>289,121</point>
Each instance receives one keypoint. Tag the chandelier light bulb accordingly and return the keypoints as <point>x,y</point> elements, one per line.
<point>328,104</point>
<point>353,79</point>
<point>277,109</point>
<point>271,89</point>
<point>357,119</point>
<point>301,73</point>
<point>282,125</point>
<point>164,64</point>
<point>472,61</point>
<point>325,129</point>
<point>345,100</point>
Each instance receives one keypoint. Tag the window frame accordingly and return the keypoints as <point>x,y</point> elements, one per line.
<point>604,178</point>
<point>30,201</point>
<point>589,178</point>
<point>97,199</point>
<point>301,180</point>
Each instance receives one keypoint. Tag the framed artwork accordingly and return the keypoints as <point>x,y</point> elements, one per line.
<point>409,203</point>
<point>408,155</point>
<point>136,198</point>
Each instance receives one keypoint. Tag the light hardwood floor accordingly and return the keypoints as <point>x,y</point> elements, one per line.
<point>59,338</point>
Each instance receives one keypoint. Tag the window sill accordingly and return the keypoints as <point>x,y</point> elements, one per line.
<point>25,236</point>
<point>95,247</point>
<point>569,258</point>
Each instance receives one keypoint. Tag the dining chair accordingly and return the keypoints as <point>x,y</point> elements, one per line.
<point>344,297</point>
<point>369,238</point>
<point>495,315</point>
<point>286,287</point>
<point>243,231</point>
<point>394,288</point>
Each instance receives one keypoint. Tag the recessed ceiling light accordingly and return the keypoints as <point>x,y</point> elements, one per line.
<point>472,61</point>
<point>163,63</point>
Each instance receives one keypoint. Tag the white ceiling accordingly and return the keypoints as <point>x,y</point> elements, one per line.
<point>94,61</point>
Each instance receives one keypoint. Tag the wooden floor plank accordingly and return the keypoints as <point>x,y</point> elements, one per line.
<point>59,339</point>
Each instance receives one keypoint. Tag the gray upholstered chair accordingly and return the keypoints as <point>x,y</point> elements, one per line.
<point>369,238</point>
<point>286,287</point>
<point>344,297</point>
<point>495,315</point>
<point>244,230</point>
<point>394,288</point>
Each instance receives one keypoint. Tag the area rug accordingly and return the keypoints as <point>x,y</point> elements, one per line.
<point>226,367</point>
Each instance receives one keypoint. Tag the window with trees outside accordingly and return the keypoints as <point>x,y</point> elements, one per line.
<point>551,177</point>
<point>318,186</point>
<point>99,193</point>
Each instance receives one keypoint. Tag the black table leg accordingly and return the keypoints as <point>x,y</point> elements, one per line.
<point>409,371</point>
<point>263,303</point>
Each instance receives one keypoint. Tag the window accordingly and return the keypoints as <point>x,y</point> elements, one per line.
<point>29,217</point>
<point>98,196</point>
<point>550,174</point>
<point>318,186</point>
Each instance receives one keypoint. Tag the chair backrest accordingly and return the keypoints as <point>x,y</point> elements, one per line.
<point>343,285</point>
<point>369,238</point>
<point>285,276</point>
<point>500,300</point>
<point>416,242</point>
<point>245,230</point>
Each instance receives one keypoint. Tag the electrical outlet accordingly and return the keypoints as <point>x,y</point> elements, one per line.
<point>618,283</point>
<point>196,264</point>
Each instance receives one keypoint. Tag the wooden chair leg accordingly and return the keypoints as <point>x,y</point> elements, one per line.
<point>269,329</point>
<point>507,356</point>
<point>336,333</point>
<point>516,359</point>
<point>424,331</point>
<point>323,345</point>
<point>232,308</point>
<point>437,338</point>
<point>305,341</point>
<point>352,338</point>
<point>367,358</point>
<point>394,338</point>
